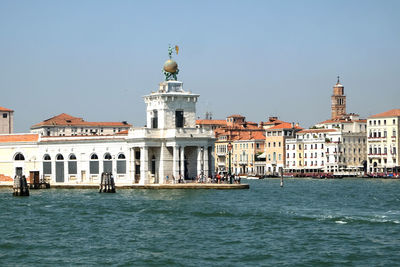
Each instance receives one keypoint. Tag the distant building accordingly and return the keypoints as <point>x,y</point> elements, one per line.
<point>234,129</point>
<point>275,143</point>
<point>67,125</point>
<point>383,142</point>
<point>6,121</point>
<point>338,105</point>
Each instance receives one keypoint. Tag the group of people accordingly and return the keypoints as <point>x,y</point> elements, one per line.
<point>219,178</point>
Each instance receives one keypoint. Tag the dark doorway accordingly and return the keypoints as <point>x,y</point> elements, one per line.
<point>179,118</point>
<point>60,172</point>
<point>18,171</point>
<point>153,165</point>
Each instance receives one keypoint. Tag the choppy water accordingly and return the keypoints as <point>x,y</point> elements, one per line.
<point>307,223</point>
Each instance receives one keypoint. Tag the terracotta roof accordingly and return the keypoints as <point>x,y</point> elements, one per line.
<point>389,113</point>
<point>13,138</point>
<point>317,131</point>
<point>211,122</point>
<point>273,121</point>
<point>123,132</point>
<point>285,125</point>
<point>236,116</point>
<point>249,136</point>
<point>5,109</point>
<point>67,120</point>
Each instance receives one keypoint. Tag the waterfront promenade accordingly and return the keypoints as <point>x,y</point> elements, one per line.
<point>149,186</point>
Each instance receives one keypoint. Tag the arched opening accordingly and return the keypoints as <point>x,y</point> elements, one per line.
<point>94,164</point>
<point>46,164</point>
<point>59,168</point>
<point>19,156</point>
<point>121,164</point>
<point>107,163</point>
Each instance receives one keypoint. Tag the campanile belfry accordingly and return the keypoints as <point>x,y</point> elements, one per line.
<point>338,106</point>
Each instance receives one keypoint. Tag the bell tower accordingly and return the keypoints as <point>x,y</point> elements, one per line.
<point>338,104</point>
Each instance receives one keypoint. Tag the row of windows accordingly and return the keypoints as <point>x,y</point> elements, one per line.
<point>378,122</point>
<point>379,134</point>
<point>274,144</point>
<point>378,150</point>
<point>46,157</point>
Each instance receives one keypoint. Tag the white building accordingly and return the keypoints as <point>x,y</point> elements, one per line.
<point>169,146</point>
<point>383,142</point>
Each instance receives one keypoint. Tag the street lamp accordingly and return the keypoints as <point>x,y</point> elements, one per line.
<point>229,153</point>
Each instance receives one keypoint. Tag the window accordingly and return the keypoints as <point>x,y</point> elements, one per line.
<point>19,156</point>
<point>94,164</point>
<point>72,165</point>
<point>59,157</point>
<point>5,115</point>
<point>121,164</point>
<point>179,118</point>
<point>384,122</point>
<point>46,164</point>
<point>154,120</point>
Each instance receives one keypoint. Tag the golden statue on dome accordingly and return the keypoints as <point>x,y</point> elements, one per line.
<point>170,68</point>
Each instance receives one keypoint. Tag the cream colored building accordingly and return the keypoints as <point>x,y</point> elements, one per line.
<point>275,143</point>
<point>383,142</point>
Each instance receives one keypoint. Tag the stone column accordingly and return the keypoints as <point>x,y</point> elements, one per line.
<point>131,173</point>
<point>183,162</point>
<point>161,167</point>
<point>199,160</point>
<point>205,161</point>
<point>212,161</point>
<point>175,163</point>
<point>144,165</point>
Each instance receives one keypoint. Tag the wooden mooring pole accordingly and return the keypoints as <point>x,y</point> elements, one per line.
<point>107,184</point>
<point>20,187</point>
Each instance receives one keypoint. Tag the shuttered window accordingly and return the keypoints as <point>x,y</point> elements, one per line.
<point>46,167</point>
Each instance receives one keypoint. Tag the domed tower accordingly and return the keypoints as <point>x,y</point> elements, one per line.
<point>338,105</point>
<point>171,106</point>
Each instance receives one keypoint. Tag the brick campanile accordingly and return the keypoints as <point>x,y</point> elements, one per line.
<point>338,106</point>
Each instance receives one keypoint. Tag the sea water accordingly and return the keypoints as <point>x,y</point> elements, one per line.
<point>347,222</point>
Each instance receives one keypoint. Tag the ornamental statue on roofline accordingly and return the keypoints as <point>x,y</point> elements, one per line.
<point>170,68</point>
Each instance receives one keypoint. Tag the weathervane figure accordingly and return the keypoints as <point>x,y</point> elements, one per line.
<point>170,68</point>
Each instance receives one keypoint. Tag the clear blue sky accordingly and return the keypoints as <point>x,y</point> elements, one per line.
<point>96,59</point>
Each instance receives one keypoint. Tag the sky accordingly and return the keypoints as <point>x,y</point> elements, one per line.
<point>97,59</point>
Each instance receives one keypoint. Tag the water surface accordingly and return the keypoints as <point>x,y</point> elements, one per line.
<point>308,222</point>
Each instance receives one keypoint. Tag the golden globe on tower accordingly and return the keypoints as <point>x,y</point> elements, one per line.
<point>170,68</point>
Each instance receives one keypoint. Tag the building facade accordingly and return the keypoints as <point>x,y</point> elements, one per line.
<point>169,148</point>
<point>275,145</point>
<point>383,142</point>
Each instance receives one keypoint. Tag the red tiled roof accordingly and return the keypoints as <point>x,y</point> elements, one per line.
<point>236,116</point>
<point>211,122</point>
<point>123,132</point>
<point>317,131</point>
<point>249,136</point>
<point>13,138</point>
<point>5,109</point>
<point>285,125</point>
<point>68,120</point>
<point>389,113</point>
